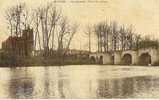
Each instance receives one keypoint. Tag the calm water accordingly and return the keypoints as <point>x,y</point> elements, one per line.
<point>80,82</point>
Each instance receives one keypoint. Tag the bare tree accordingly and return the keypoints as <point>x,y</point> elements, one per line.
<point>18,19</point>
<point>88,32</point>
<point>53,31</point>
<point>114,37</point>
<point>36,24</point>
<point>45,22</point>
<point>96,31</point>
<point>65,35</point>
<point>122,37</point>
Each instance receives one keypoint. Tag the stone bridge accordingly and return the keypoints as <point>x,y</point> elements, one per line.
<point>147,56</point>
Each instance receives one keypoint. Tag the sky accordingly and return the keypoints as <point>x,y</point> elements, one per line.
<point>142,14</point>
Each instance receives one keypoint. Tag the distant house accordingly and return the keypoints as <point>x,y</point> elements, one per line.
<point>19,46</point>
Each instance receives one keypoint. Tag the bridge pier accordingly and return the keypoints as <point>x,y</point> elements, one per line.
<point>135,58</point>
<point>117,58</point>
<point>107,59</point>
<point>154,57</point>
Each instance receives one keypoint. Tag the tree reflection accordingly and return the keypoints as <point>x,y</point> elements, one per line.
<point>21,86</point>
<point>46,82</point>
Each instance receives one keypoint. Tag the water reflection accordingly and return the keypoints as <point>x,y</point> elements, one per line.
<point>46,82</point>
<point>65,82</point>
<point>126,87</point>
<point>21,85</point>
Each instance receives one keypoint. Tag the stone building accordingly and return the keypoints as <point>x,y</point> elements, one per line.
<point>19,46</point>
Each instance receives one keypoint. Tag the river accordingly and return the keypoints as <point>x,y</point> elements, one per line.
<point>80,81</point>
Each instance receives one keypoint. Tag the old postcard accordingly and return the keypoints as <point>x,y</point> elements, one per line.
<point>79,49</point>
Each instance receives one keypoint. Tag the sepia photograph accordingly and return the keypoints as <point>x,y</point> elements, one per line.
<point>79,49</point>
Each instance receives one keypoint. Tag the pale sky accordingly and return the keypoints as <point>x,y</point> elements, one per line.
<point>142,14</point>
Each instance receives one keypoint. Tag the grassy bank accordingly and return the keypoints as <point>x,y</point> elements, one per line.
<point>43,61</point>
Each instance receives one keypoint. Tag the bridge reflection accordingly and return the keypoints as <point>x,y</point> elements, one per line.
<point>126,87</point>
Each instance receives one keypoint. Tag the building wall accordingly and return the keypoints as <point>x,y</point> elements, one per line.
<point>20,46</point>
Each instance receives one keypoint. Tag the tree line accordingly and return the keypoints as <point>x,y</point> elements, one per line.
<point>52,29</point>
<point>114,37</point>
<point>54,32</point>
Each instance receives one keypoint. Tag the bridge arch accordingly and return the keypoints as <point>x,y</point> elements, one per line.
<point>151,54</point>
<point>145,59</point>
<point>93,59</point>
<point>129,57</point>
<point>126,59</point>
<point>96,58</point>
<point>101,59</point>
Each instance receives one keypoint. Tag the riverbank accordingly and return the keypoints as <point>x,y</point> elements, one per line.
<point>53,61</point>
<point>43,61</point>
